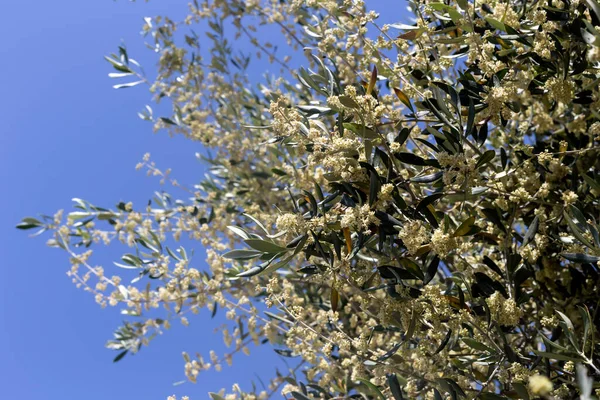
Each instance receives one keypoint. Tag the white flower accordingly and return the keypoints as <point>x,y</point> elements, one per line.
<point>540,385</point>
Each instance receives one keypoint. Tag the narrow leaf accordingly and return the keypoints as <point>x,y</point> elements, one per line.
<point>348,239</point>
<point>372,388</point>
<point>372,81</point>
<point>265,246</point>
<point>403,98</point>
<point>394,386</point>
<point>431,270</point>
<point>238,231</point>
<point>529,235</point>
<point>485,157</point>
<point>465,227</point>
<point>335,298</point>
<point>444,342</point>
<point>348,101</point>
<point>299,396</point>
<point>555,356</point>
<point>576,231</point>
<point>120,355</point>
<point>581,258</point>
<point>127,85</point>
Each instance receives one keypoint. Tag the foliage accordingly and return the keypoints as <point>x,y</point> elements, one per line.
<point>416,204</point>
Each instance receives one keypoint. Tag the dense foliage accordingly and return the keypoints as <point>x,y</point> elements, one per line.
<point>415,206</point>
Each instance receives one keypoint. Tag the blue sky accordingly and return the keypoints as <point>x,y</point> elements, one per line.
<point>66,133</point>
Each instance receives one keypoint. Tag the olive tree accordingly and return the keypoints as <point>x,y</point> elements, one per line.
<point>407,210</point>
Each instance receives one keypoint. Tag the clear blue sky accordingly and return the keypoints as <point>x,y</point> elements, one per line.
<point>66,133</point>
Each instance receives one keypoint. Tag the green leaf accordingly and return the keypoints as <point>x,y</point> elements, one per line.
<point>587,324</point>
<point>451,386</point>
<point>581,258</point>
<point>470,117</point>
<point>390,352</point>
<point>131,259</point>
<point>215,396</point>
<point>521,390</point>
<point>242,254</point>
<point>412,267</point>
<point>374,186</point>
<point>404,27</point>
<point>494,216</point>
<point>29,223</point>
<point>348,101</point>
<point>576,231</point>
<point>549,342</point>
<point>265,246</point>
<point>372,81</point>
<point>595,6</point>
<point>299,396</point>
<point>127,85</point>
<point>119,74</point>
<point>429,200</point>
<point>483,134</point>
<point>410,158</point>
<point>258,223</point>
<point>120,355</point>
<point>428,178</point>
<point>305,78</point>
<point>298,240</point>
<point>432,268</point>
<point>403,98</point>
<point>492,265</point>
<point>411,327</point>
<point>452,12</point>
<point>118,65</point>
<point>147,244</point>
<point>334,299</point>
<point>555,356</point>
<point>474,344</point>
<point>238,231</point>
<point>311,109</point>
<point>280,264</point>
<point>278,318</point>
<point>361,130</point>
<point>485,157</point>
<point>529,235</point>
<point>464,4</point>
<point>372,388</point>
<point>465,227</point>
<point>312,201</point>
<point>167,121</point>
<point>491,396</point>
<point>251,272</point>
<point>79,215</point>
<point>125,266</point>
<point>394,386</point>
<point>444,342</point>
<point>593,184</point>
<point>585,382</point>
<point>319,389</point>
<point>496,24</point>
<point>566,320</point>
<point>503,158</point>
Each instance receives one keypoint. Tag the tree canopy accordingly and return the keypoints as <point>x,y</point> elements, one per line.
<point>406,210</point>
